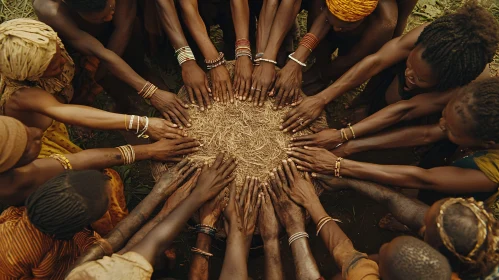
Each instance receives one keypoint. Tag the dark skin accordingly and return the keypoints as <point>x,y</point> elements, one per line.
<point>264,76</point>
<point>18,183</point>
<point>376,30</point>
<point>195,79</point>
<point>394,51</point>
<point>60,17</point>
<point>450,179</point>
<point>220,78</point>
<point>208,215</point>
<point>211,182</point>
<point>240,215</point>
<point>292,217</point>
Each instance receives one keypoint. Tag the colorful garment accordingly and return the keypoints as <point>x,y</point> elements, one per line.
<point>26,252</point>
<point>130,265</point>
<point>351,10</point>
<point>356,265</point>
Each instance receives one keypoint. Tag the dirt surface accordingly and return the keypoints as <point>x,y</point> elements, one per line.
<point>360,215</point>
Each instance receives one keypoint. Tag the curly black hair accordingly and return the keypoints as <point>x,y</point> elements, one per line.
<point>85,6</point>
<point>458,46</point>
<point>481,101</point>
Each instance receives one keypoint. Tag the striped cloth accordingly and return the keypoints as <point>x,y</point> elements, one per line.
<point>27,253</point>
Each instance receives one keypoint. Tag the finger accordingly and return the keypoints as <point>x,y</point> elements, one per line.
<point>305,151</point>
<point>214,90</point>
<point>187,145</point>
<point>307,177</point>
<point>289,119</point>
<point>228,180</point>
<point>185,151</point>
<point>230,166</point>
<point>263,94</point>
<point>188,172</point>
<point>237,85</point>
<point>258,91</point>
<point>278,98</point>
<point>190,94</point>
<point>287,171</point>
<point>199,98</point>
<point>321,177</point>
<point>182,113</point>
<point>282,177</point>
<point>182,164</point>
<point>259,201</point>
<point>174,118</point>
<point>170,124</point>
<point>167,117</point>
<point>181,103</point>
<point>218,160</point>
<point>253,88</point>
<point>256,190</point>
<point>230,91</point>
<point>244,191</point>
<point>173,135</point>
<point>207,84</point>
<point>292,167</point>
<point>223,88</point>
<point>282,101</point>
<point>302,164</point>
<point>249,195</point>
<point>175,159</point>
<point>206,97</point>
<point>302,125</point>
<point>299,156</point>
<point>246,90</point>
<point>271,192</point>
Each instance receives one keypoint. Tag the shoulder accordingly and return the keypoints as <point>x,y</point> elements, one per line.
<point>45,9</point>
<point>386,15</point>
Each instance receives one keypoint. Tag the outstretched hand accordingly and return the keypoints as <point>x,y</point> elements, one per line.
<point>174,177</point>
<point>196,84</point>
<point>171,107</point>
<point>313,159</point>
<point>211,210</point>
<point>327,139</point>
<point>215,177</point>
<point>161,128</point>
<point>267,220</point>
<point>291,216</point>
<point>309,109</point>
<point>173,149</point>
<point>300,189</point>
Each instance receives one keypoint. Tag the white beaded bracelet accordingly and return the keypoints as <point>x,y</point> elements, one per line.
<point>266,60</point>
<point>296,60</point>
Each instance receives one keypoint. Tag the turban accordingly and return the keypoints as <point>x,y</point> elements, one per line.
<point>13,140</point>
<point>351,10</point>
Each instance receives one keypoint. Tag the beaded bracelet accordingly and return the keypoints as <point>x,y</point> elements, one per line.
<point>266,60</point>
<point>214,63</point>
<point>296,60</point>
<point>144,130</point>
<point>201,252</point>
<point>337,167</point>
<point>184,54</point>
<point>206,229</point>
<point>128,154</point>
<point>63,160</point>
<point>309,41</point>
<point>148,90</point>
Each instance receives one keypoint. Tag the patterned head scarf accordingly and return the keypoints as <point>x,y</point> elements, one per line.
<point>351,10</point>
<point>26,48</point>
<point>13,140</point>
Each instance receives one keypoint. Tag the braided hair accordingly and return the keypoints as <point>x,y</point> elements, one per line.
<point>68,203</point>
<point>86,6</point>
<point>458,46</point>
<point>481,101</point>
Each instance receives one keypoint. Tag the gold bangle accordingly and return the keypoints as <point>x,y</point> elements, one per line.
<point>337,167</point>
<point>344,134</point>
<point>320,226</point>
<point>351,129</point>
<point>63,160</point>
<point>126,127</point>
<point>201,252</point>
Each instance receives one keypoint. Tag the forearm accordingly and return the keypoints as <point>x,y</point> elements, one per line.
<point>236,258</point>
<point>164,233</point>
<point>408,211</point>
<point>305,265</point>
<point>104,158</point>
<point>240,17</point>
<point>286,14</point>
<point>319,28</point>
<point>397,138</point>
<point>197,28</point>
<point>200,264</point>
<point>120,69</point>
<point>171,23</point>
<point>273,263</point>
<point>90,117</point>
<point>120,38</point>
<point>265,20</point>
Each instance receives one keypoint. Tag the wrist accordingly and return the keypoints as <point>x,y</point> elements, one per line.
<point>311,202</point>
<point>188,64</point>
<point>290,230</point>
<point>143,152</point>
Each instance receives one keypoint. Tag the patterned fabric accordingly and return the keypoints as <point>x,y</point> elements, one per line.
<point>27,253</point>
<point>117,267</point>
<point>351,10</point>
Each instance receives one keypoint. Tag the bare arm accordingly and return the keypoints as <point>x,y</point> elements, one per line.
<point>392,52</point>
<point>123,21</point>
<point>240,17</point>
<point>397,138</point>
<point>405,8</point>
<point>265,20</point>
<point>171,24</point>
<point>273,263</point>
<point>447,179</point>
<point>200,264</point>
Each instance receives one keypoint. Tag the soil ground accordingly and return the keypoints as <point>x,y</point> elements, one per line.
<point>360,215</point>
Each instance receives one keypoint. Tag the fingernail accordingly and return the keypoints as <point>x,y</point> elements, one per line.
<point>196,149</point>
<point>280,127</point>
<point>202,108</point>
<point>181,127</point>
<point>261,104</point>
<point>294,130</point>
<point>313,174</point>
<point>285,130</point>
<point>209,106</point>
<point>289,152</point>
<point>244,98</point>
<point>283,161</point>
<point>275,169</point>
<point>189,125</point>
<point>232,101</point>
<point>275,108</point>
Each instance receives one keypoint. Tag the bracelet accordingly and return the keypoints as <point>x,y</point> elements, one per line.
<point>184,54</point>
<point>128,154</point>
<point>351,129</point>
<point>324,221</point>
<point>206,229</point>
<point>296,60</point>
<point>210,64</point>
<point>337,167</point>
<point>142,135</point>
<point>297,236</point>
<point>63,160</point>
<point>266,60</point>
<point>130,125</point>
<point>201,252</point>
<point>258,55</point>
<point>343,134</point>
<point>126,127</point>
<point>148,90</point>
<point>309,41</point>
<point>138,125</point>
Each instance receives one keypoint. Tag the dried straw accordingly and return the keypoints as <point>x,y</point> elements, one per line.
<point>12,9</point>
<point>251,134</point>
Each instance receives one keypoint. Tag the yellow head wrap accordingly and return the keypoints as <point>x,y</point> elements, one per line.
<point>26,49</point>
<point>13,140</point>
<point>351,10</point>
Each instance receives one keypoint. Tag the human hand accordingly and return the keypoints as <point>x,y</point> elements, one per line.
<point>222,86</point>
<point>172,149</point>
<point>331,183</point>
<point>291,216</point>
<point>172,108</point>
<point>211,210</point>
<point>174,177</point>
<point>288,85</point>
<point>161,128</point>
<point>215,177</point>
<point>267,220</point>
<point>327,139</point>
<point>313,159</point>
<point>262,81</point>
<point>242,78</point>
<point>196,84</point>
<point>304,114</point>
<point>300,189</point>
<point>181,193</point>
<point>242,210</point>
